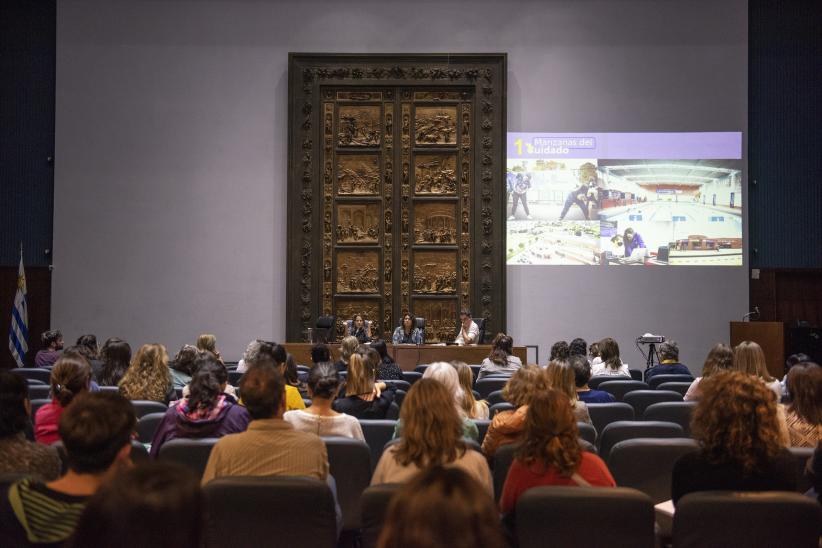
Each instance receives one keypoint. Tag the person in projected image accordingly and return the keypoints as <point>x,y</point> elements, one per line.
<point>578,196</point>
<point>520,189</point>
<point>634,244</point>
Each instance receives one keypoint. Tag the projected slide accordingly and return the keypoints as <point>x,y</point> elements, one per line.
<point>629,199</point>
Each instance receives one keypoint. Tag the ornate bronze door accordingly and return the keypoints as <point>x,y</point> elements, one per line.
<point>407,175</point>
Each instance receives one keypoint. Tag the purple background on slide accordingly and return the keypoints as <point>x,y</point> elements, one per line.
<point>634,146</point>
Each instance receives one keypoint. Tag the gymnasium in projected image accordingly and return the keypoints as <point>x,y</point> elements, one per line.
<point>568,204</point>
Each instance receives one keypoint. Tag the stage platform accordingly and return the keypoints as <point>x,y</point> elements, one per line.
<point>409,356</point>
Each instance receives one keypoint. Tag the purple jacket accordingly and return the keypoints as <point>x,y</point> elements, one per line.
<point>179,422</point>
<point>635,243</point>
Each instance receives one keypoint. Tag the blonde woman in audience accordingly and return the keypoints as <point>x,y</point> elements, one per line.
<point>208,343</point>
<point>473,408</point>
<point>559,375</point>
<point>148,377</point>
<point>320,418</point>
<point>610,363</point>
<point>364,398</point>
<point>720,358</point>
<point>550,453</point>
<point>465,514</point>
<point>348,347</point>
<point>432,436</point>
<point>508,426</point>
<point>750,359</point>
<point>740,446</point>
<point>803,415</point>
<point>446,374</point>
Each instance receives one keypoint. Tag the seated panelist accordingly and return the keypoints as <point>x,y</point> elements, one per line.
<point>359,328</point>
<point>469,330</point>
<point>407,332</point>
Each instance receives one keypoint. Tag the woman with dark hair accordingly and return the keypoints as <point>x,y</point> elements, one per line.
<point>431,436</point>
<point>182,367</point>
<point>500,360</point>
<point>611,364</point>
<point>52,345</point>
<point>803,415</point>
<point>116,356</point>
<point>559,351</point>
<point>292,376</point>
<point>155,504</point>
<point>790,361</point>
<point>407,332</point>
<point>465,514</point>
<point>388,369</point>
<point>720,358</point>
<point>578,347</point>
<point>70,377</point>
<point>740,447</point>
<point>360,329</point>
<point>320,418</point>
<point>206,413</point>
<point>17,454</point>
<point>550,453</point>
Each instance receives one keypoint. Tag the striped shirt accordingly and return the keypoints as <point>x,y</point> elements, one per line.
<point>270,447</point>
<point>46,515</point>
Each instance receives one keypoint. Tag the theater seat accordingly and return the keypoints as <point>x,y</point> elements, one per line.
<point>487,385</point>
<point>495,397</point>
<point>656,380</point>
<point>144,407</point>
<point>191,453</point>
<point>498,407</point>
<point>627,430</point>
<point>584,517</point>
<point>377,433</point>
<point>618,388</point>
<point>349,462</point>
<point>750,519</point>
<point>587,432</point>
<point>375,502</point>
<point>646,464</point>
<point>399,385</point>
<point>801,456</point>
<point>603,414</point>
<point>147,425</point>
<point>681,387</point>
<point>39,392</point>
<point>269,510</point>
<point>411,376</point>
<point>482,427</point>
<point>672,411</point>
<point>641,399</point>
<point>36,373</point>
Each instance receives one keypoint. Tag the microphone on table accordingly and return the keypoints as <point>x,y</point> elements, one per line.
<point>754,312</point>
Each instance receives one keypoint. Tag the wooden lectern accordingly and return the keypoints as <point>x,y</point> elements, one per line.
<point>770,336</point>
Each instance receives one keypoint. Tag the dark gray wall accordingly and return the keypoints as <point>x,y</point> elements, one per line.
<point>171,140</point>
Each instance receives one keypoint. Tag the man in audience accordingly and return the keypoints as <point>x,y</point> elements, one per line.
<point>52,345</point>
<point>96,433</point>
<point>669,362</point>
<point>320,353</point>
<point>469,330</point>
<point>270,446</point>
<point>582,374</point>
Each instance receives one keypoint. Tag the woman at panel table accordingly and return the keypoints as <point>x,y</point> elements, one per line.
<point>359,328</point>
<point>407,333</point>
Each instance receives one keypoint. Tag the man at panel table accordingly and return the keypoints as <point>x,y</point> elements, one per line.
<point>469,330</point>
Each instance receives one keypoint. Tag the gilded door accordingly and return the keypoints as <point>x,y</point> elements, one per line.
<point>398,200</point>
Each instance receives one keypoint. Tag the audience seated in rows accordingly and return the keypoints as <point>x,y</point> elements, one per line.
<point>668,362</point>
<point>803,415</point>
<point>474,409</point>
<point>432,435</point>
<point>148,377</point>
<point>206,412</point>
<point>348,347</point>
<point>550,453</point>
<point>270,445</point>
<point>159,505</point>
<point>388,369</point>
<point>182,367</point>
<point>70,377</point>
<point>736,425</point>
<point>442,506</point>
<point>582,374</point>
<point>17,454</point>
<point>508,426</point>
<point>610,364</point>
<point>446,375</point>
<point>500,360</point>
<point>116,357</point>
<point>750,359</point>
<point>321,419</point>
<point>96,432</point>
<point>363,399</point>
<point>52,346</point>
<point>720,358</point>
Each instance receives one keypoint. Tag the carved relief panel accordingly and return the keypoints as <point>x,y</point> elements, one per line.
<point>396,171</point>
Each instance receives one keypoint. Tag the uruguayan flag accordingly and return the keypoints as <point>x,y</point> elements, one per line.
<point>19,330</point>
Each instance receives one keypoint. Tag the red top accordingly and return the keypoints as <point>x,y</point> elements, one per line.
<point>46,421</point>
<point>522,477</point>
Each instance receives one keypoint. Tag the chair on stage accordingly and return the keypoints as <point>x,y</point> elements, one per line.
<point>325,326</point>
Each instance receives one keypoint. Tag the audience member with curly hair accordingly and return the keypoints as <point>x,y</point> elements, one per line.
<point>737,428</point>
<point>465,514</point>
<point>720,358</point>
<point>803,415</point>
<point>432,435</point>
<point>148,376</point>
<point>509,426</point>
<point>550,453</point>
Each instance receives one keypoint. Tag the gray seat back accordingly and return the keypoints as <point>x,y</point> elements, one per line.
<point>603,414</point>
<point>646,464</point>
<point>627,430</point>
<point>377,433</point>
<point>640,399</point>
<point>147,425</point>
<point>349,462</point>
<point>191,453</point>
<point>618,388</point>
<point>375,502</point>
<point>671,411</point>
<point>656,380</point>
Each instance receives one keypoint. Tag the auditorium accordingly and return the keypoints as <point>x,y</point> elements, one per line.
<point>387,274</point>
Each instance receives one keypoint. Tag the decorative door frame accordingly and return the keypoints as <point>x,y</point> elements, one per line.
<point>308,279</point>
